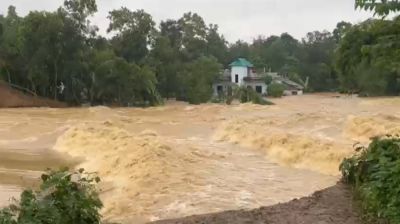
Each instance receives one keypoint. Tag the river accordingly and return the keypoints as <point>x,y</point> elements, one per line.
<point>179,160</point>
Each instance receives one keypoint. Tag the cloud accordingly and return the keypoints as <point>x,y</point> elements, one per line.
<point>237,19</point>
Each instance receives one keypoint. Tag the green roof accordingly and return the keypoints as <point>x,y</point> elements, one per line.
<point>241,62</point>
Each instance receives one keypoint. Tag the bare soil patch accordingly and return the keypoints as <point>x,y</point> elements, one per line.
<point>12,98</point>
<point>333,205</point>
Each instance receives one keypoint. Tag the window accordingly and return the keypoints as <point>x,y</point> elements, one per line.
<point>259,89</point>
<point>236,78</point>
<point>219,89</point>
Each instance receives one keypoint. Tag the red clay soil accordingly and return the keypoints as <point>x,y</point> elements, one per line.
<point>331,206</point>
<point>10,97</point>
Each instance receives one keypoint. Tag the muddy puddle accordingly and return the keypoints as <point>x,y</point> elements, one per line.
<point>180,160</point>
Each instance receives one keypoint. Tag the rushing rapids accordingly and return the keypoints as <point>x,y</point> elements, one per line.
<point>179,160</point>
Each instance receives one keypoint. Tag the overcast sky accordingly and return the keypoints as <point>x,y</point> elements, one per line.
<point>237,19</point>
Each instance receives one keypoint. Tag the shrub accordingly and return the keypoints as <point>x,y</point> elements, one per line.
<point>246,95</point>
<point>375,174</point>
<point>276,90</point>
<point>63,198</point>
<point>268,79</point>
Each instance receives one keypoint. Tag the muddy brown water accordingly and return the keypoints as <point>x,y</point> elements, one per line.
<point>21,168</point>
<point>180,160</point>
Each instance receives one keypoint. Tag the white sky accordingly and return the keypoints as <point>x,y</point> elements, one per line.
<point>237,19</point>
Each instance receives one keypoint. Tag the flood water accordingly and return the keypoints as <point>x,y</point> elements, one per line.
<point>179,160</point>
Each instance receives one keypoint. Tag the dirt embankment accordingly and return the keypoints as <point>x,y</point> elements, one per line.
<point>330,206</point>
<point>11,98</point>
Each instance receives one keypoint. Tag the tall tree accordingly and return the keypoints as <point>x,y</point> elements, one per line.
<point>198,78</point>
<point>134,33</point>
<point>194,35</point>
<point>368,57</point>
<point>216,44</point>
<point>340,30</point>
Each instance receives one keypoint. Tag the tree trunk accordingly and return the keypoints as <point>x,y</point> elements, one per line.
<point>8,75</point>
<point>33,86</point>
<point>55,80</point>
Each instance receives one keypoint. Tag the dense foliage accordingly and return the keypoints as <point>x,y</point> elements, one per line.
<point>375,174</point>
<point>63,198</point>
<point>368,58</point>
<point>380,7</point>
<point>249,95</point>
<point>276,90</point>
<point>61,56</point>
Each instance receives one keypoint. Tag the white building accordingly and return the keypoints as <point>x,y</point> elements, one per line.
<point>242,73</point>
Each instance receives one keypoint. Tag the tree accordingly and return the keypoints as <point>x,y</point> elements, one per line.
<point>316,62</point>
<point>9,50</point>
<point>216,44</point>
<point>239,49</point>
<point>172,30</point>
<point>115,81</point>
<point>367,58</point>
<point>177,46</point>
<point>164,58</point>
<point>198,79</point>
<point>380,7</point>
<point>340,30</point>
<point>194,36</point>
<point>134,33</point>
<point>80,9</point>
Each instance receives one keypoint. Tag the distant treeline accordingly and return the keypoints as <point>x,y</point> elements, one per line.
<point>61,55</point>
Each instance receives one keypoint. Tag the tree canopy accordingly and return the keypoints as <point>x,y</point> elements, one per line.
<point>60,55</point>
<point>368,58</point>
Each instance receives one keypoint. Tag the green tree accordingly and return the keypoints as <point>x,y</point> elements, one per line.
<point>216,44</point>
<point>317,61</point>
<point>10,65</point>
<point>164,58</point>
<point>340,30</point>
<point>380,7</point>
<point>194,36</point>
<point>198,79</point>
<point>134,33</point>
<point>367,58</point>
<point>115,81</point>
<point>239,49</point>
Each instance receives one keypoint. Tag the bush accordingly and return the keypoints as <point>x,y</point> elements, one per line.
<point>246,95</point>
<point>375,174</point>
<point>276,90</point>
<point>268,79</point>
<point>63,198</point>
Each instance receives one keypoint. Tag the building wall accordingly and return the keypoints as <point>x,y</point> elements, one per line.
<point>241,71</point>
<point>225,86</point>
<point>217,85</point>
<point>292,92</point>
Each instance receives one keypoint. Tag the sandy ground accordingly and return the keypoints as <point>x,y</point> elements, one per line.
<point>330,206</point>
<point>180,160</point>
